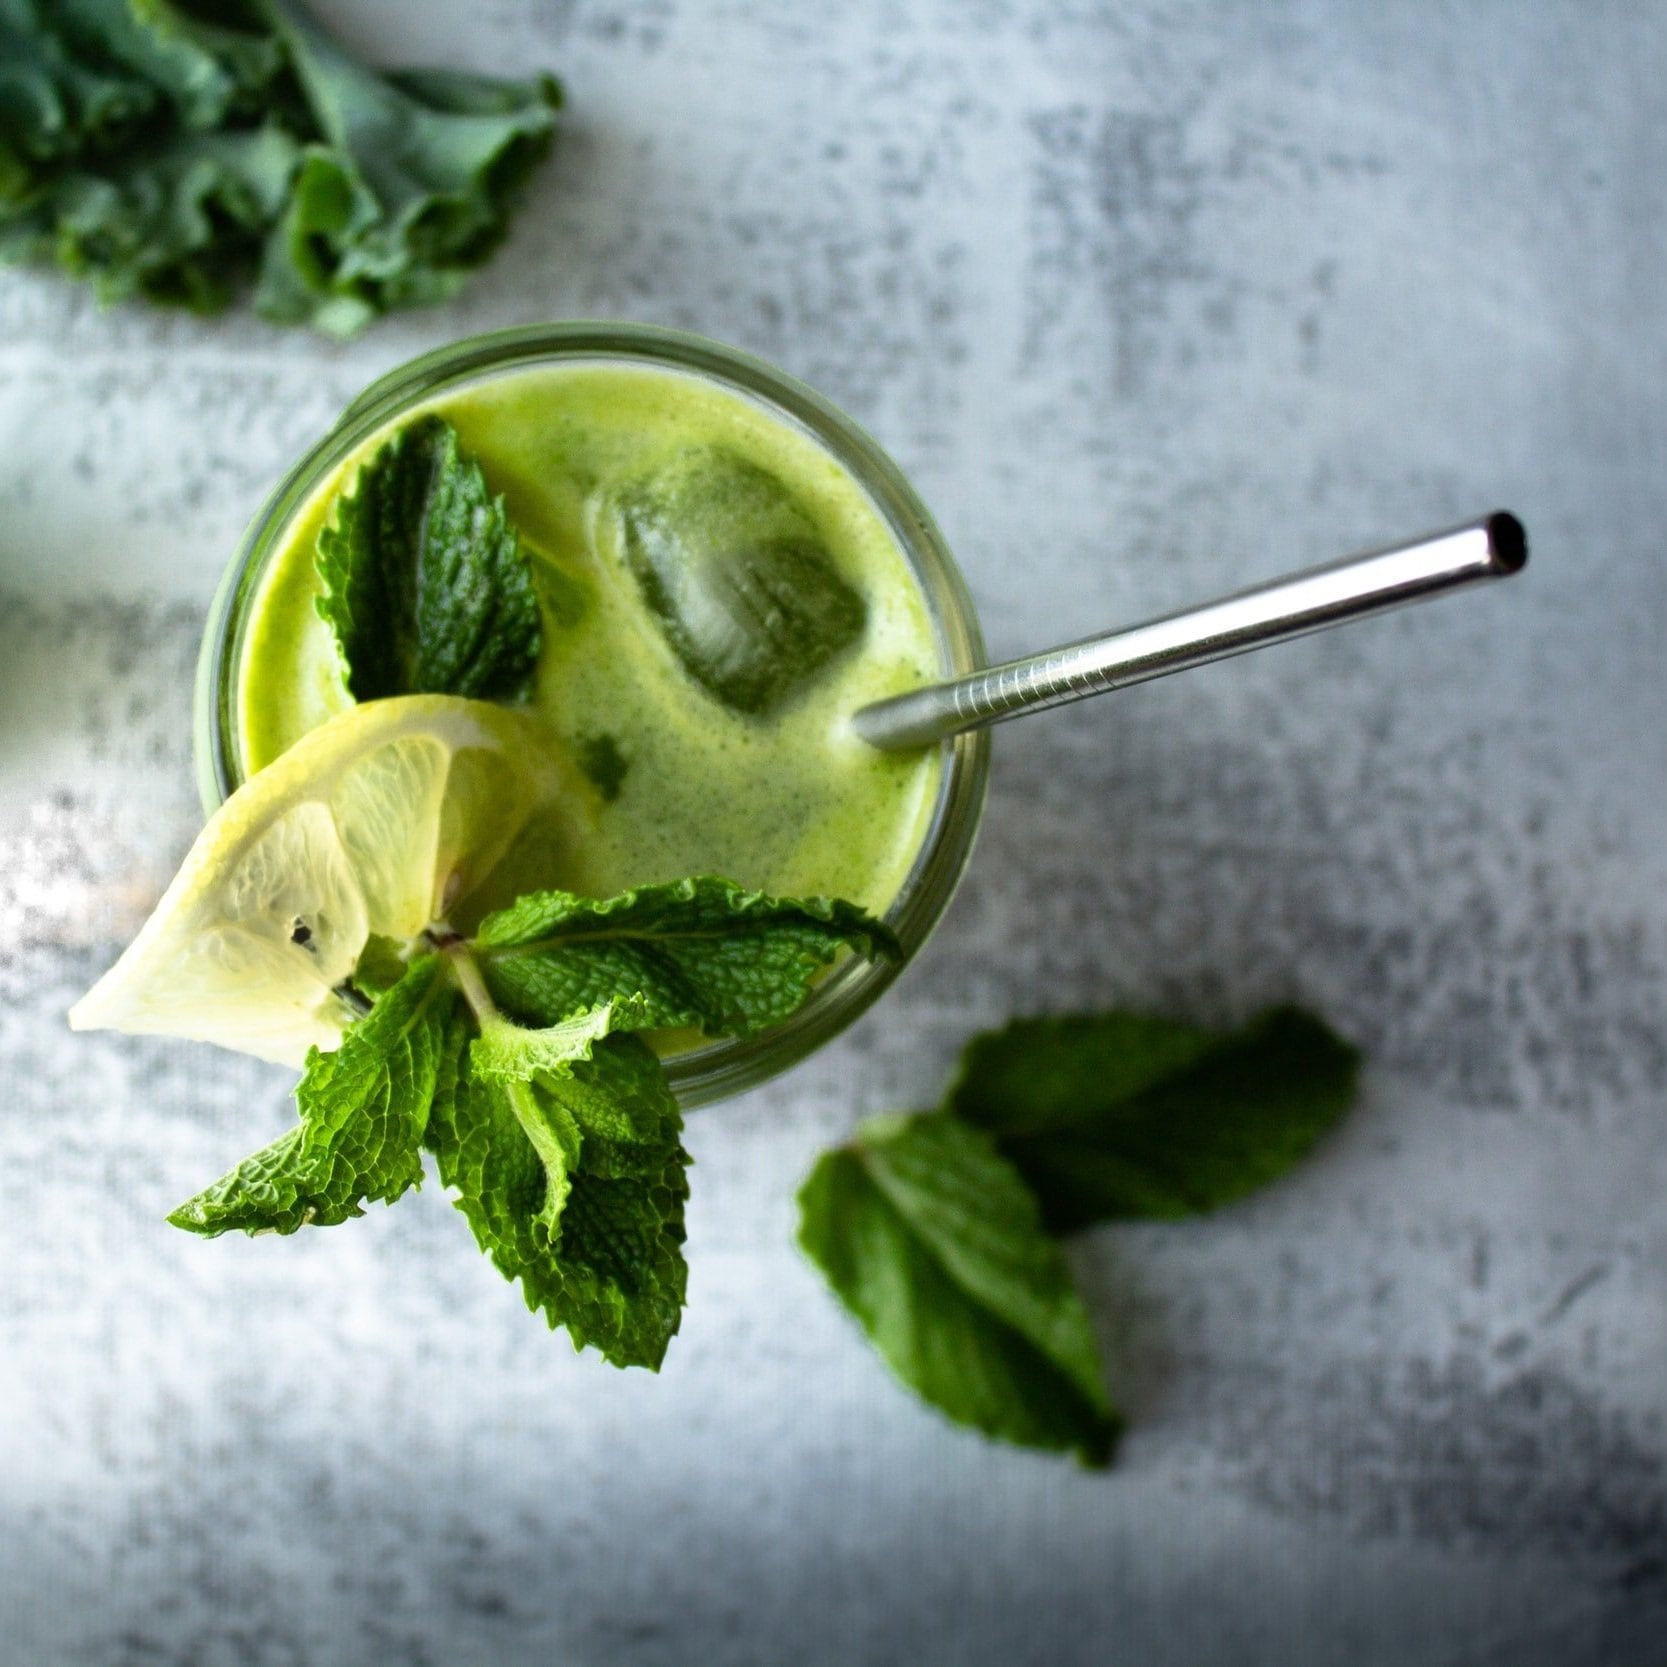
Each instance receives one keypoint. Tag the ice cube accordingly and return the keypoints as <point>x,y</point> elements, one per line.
<point>732,567</point>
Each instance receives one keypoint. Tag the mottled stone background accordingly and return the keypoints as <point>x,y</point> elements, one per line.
<point>1151,300</point>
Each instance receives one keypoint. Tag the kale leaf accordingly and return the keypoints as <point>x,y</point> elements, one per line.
<point>184,150</point>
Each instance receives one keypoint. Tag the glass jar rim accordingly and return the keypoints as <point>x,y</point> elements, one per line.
<point>727,1066</point>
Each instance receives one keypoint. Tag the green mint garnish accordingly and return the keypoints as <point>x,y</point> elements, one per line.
<point>584,1121</point>
<point>1116,1115</point>
<point>183,153</point>
<point>932,1240</point>
<point>425,584</point>
<point>934,1230</point>
<point>703,953</point>
<point>549,1118</point>
<point>363,1110</point>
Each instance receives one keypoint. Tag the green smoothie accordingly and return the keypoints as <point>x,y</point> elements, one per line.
<point>673,774</point>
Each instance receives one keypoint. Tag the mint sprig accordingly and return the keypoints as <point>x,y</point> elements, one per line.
<point>426,587</point>
<point>934,1230</point>
<point>559,1134</point>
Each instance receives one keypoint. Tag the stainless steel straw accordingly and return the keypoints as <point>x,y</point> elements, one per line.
<point>1491,548</point>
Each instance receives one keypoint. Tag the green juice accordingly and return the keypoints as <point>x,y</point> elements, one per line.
<point>667,780</point>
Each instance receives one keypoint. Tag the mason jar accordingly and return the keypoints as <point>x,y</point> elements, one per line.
<point>712,1069</point>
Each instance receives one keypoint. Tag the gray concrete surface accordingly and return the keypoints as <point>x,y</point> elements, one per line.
<point>1151,300</point>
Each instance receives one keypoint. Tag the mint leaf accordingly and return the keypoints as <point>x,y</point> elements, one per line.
<point>425,584</point>
<point>609,1101</point>
<point>363,1109</point>
<point>623,1279</point>
<point>701,952</point>
<point>381,965</point>
<point>172,150</point>
<point>506,1052</point>
<point>1115,1116</point>
<point>931,1239</point>
<point>564,1147</point>
<point>505,1061</point>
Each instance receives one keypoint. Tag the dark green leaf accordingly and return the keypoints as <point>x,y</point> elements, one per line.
<point>171,149</point>
<point>622,1119</point>
<point>425,584</point>
<point>411,187</point>
<point>729,563</point>
<point>212,62</point>
<point>605,1260</point>
<point>528,1067</point>
<point>933,1242</point>
<point>701,953</point>
<point>363,1110</point>
<point>58,102</point>
<point>1115,1116</point>
<point>150,147</point>
<point>176,220</point>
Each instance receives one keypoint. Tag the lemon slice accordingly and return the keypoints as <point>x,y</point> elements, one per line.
<point>378,821</point>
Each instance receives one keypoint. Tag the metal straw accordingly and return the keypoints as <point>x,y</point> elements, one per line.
<point>1491,548</point>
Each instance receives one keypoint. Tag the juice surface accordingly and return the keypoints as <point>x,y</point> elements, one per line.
<point>678,784</point>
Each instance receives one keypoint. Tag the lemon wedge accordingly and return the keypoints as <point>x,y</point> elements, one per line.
<point>381,820</point>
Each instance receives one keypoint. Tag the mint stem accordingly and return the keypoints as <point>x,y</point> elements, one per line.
<point>469,980</point>
<point>519,1094</point>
